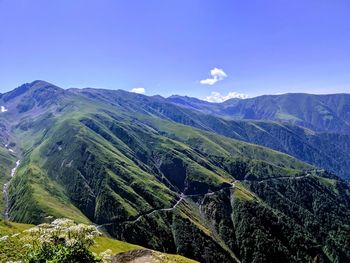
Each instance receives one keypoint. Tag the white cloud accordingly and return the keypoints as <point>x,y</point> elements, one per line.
<point>217,97</point>
<point>138,90</point>
<point>216,75</point>
<point>3,109</point>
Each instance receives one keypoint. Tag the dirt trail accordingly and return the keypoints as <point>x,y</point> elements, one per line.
<point>183,197</point>
<point>134,256</point>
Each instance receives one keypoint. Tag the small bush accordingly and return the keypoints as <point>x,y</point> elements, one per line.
<point>60,241</point>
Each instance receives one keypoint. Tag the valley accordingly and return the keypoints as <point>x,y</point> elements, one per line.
<point>155,173</point>
<point>5,191</point>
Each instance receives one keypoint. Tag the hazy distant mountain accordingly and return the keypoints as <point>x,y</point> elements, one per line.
<point>322,113</point>
<point>178,178</point>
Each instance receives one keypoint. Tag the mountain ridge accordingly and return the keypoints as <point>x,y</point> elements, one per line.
<point>155,174</point>
<point>323,113</point>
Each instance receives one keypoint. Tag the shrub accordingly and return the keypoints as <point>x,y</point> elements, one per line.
<point>60,241</point>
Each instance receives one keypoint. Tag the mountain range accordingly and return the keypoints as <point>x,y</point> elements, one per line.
<point>255,180</point>
<point>321,113</point>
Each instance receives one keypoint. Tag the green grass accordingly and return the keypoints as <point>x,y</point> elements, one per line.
<point>106,171</point>
<point>104,243</point>
<point>83,158</point>
<point>243,194</point>
<point>189,211</point>
<point>34,192</point>
<point>287,117</point>
<point>217,145</point>
<point>55,206</point>
<point>327,181</point>
<point>107,180</point>
<point>169,258</point>
<point>7,162</point>
<point>13,250</point>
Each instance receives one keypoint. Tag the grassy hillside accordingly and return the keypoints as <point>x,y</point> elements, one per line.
<point>313,145</point>
<point>140,163</point>
<point>13,250</point>
<point>150,176</point>
<point>322,113</point>
<point>292,219</point>
<point>7,162</point>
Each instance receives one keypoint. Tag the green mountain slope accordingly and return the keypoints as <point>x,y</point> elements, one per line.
<point>151,174</point>
<point>12,249</point>
<point>322,113</point>
<point>316,148</point>
<point>7,161</point>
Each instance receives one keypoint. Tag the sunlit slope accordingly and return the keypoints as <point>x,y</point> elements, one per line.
<point>12,248</point>
<point>113,166</point>
<point>307,141</point>
<point>148,175</point>
<point>280,219</point>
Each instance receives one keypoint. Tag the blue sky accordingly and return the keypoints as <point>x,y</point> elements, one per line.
<point>170,46</point>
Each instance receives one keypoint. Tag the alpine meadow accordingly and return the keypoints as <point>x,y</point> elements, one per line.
<point>152,172</point>
<point>152,131</point>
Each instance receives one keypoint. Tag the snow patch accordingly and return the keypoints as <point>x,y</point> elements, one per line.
<point>13,171</point>
<point>3,109</point>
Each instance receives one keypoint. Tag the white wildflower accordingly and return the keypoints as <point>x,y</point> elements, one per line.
<point>4,238</point>
<point>106,256</point>
<point>44,225</point>
<point>61,230</point>
<point>71,242</point>
<point>29,246</point>
<point>33,230</point>
<point>63,222</point>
